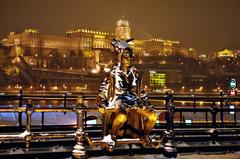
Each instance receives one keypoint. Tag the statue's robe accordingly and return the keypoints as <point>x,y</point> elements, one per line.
<point>122,87</point>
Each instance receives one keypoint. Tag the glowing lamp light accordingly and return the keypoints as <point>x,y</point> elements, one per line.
<point>232,107</point>
<point>55,87</point>
<point>106,69</point>
<point>94,71</point>
<point>17,59</point>
<point>92,122</point>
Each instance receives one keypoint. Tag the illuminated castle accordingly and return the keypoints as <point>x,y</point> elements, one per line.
<point>81,48</point>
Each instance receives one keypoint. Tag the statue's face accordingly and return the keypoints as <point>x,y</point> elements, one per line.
<point>126,59</point>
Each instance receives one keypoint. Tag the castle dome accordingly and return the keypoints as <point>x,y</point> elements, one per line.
<point>122,30</point>
<point>123,22</point>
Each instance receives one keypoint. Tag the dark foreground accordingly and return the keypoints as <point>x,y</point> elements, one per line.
<point>235,155</point>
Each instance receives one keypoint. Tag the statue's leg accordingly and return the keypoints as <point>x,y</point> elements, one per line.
<point>106,117</point>
<point>151,118</point>
<point>149,124</point>
<point>118,122</point>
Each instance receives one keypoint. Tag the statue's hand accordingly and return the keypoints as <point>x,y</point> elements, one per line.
<point>101,110</point>
<point>151,107</point>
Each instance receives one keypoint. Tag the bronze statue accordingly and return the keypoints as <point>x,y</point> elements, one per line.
<point>126,110</point>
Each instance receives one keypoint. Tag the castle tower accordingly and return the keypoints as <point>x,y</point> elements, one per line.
<point>122,30</point>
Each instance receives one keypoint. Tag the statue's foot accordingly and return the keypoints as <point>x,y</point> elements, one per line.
<point>110,143</point>
<point>156,141</point>
<point>146,140</point>
<point>152,142</point>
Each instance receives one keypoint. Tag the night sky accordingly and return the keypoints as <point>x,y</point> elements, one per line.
<point>206,25</point>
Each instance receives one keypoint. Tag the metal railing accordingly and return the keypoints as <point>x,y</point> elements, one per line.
<point>27,135</point>
<point>169,131</point>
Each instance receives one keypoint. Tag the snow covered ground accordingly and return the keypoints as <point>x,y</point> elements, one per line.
<point>235,155</point>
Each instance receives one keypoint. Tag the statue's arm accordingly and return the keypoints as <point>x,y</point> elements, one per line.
<point>142,92</point>
<point>106,91</point>
<point>101,99</point>
<point>145,99</point>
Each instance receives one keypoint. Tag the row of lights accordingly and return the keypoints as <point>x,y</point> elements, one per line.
<point>64,55</point>
<point>200,89</point>
<point>31,31</point>
<point>184,102</point>
<point>16,60</point>
<point>17,86</point>
<point>45,65</point>
<point>26,31</point>
<point>164,41</point>
<point>88,31</point>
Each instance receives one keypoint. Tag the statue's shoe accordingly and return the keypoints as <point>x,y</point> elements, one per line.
<point>146,141</point>
<point>110,143</point>
<point>150,142</point>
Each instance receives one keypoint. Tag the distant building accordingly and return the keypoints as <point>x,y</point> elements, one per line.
<point>163,78</point>
<point>81,46</point>
<point>156,46</point>
<point>225,53</point>
<point>187,52</point>
<point>89,51</point>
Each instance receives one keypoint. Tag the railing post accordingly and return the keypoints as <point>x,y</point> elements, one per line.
<point>213,131</point>
<point>79,149</point>
<point>166,106</point>
<point>29,112</point>
<point>221,107</point>
<point>206,115</point>
<point>65,101</point>
<point>166,99</point>
<point>43,119</point>
<point>20,99</point>
<point>194,104</point>
<point>214,113</point>
<point>181,118</point>
<point>235,116</point>
<point>169,149</point>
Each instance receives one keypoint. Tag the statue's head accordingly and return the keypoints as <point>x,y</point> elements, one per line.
<point>123,51</point>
